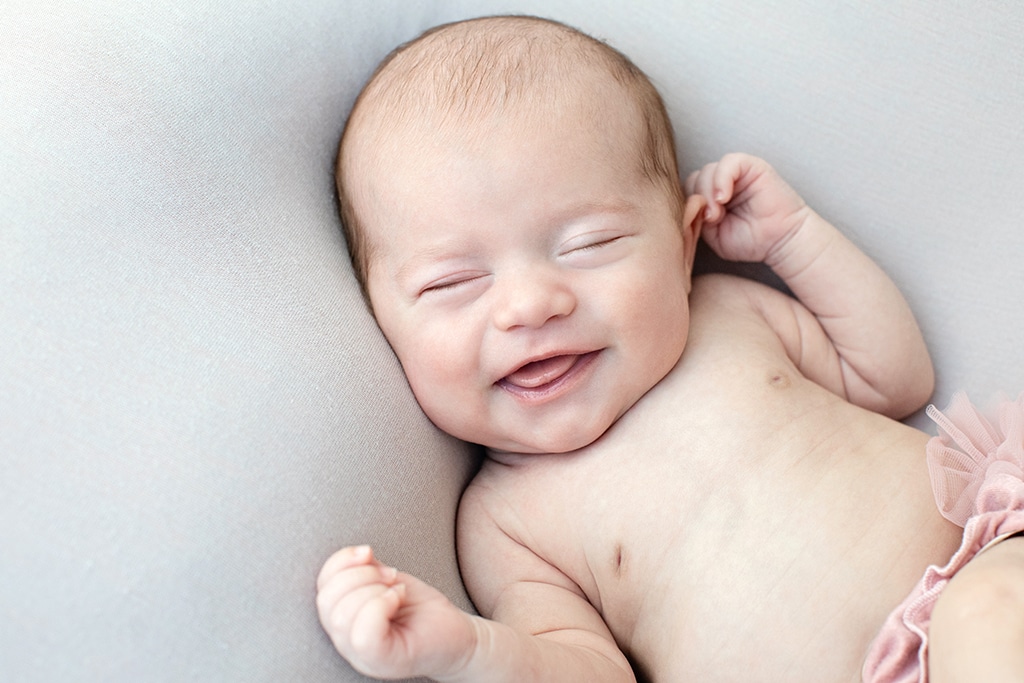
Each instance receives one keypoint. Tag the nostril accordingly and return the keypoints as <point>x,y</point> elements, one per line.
<point>532,299</point>
<point>534,312</point>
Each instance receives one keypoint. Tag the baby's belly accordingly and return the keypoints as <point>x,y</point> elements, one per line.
<point>781,576</point>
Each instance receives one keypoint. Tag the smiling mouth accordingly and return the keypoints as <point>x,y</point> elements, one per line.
<point>545,379</point>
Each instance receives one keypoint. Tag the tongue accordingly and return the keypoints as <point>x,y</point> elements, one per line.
<point>541,372</point>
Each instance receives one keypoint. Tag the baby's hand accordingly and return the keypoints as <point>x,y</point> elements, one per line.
<point>388,624</point>
<point>751,211</point>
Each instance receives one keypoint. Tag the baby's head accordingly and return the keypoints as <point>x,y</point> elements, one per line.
<point>511,200</point>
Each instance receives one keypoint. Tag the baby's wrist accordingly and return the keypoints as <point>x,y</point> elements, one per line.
<point>471,664</point>
<point>805,238</point>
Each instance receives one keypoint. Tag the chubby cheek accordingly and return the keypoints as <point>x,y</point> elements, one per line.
<point>441,378</point>
<point>659,321</point>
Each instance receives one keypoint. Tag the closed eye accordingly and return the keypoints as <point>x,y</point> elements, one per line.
<point>441,288</point>
<point>596,245</point>
<point>596,249</point>
<point>450,283</point>
<point>593,239</point>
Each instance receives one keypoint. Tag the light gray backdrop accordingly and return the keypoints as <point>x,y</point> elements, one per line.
<point>196,408</point>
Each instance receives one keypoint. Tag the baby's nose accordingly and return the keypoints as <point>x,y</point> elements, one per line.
<point>531,300</point>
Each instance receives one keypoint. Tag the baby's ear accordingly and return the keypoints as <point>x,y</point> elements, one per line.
<point>693,221</point>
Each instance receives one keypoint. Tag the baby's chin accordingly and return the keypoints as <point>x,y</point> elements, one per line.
<point>562,436</point>
<point>529,444</point>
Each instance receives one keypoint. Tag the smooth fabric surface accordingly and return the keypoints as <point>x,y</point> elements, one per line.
<point>196,407</point>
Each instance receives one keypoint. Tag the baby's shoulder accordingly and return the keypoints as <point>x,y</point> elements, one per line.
<point>493,509</point>
<point>492,492</point>
<point>507,485</point>
<point>725,287</point>
<point>715,293</point>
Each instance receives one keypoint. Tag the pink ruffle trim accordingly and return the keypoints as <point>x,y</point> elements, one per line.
<point>977,471</point>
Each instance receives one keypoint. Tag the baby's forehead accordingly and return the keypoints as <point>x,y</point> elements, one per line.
<point>426,102</point>
<point>463,72</point>
<point>417,138</point>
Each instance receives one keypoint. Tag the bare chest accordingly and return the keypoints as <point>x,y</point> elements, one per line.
<point>725,533</point>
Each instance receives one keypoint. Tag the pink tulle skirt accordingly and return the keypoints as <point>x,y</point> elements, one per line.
<point>977,471</point>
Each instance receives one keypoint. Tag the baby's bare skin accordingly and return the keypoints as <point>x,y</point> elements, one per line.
<point>739,523</point>
<point>704,478</point>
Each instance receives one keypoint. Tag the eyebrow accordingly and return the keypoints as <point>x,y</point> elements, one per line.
<point>612,206</point>
<point>448,248</point>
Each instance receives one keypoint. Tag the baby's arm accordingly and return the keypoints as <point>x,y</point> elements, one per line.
<point>522,593</point>
<point>389,624</point>
<point>875,353</point>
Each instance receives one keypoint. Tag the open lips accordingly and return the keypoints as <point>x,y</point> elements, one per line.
<point>540,372</point>
<point>541,378</point>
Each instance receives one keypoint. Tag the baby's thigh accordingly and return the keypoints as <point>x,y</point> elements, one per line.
<point>977,626</point>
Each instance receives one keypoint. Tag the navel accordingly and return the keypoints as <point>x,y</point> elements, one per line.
<point>778,379</point>
<point>619,560</point>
